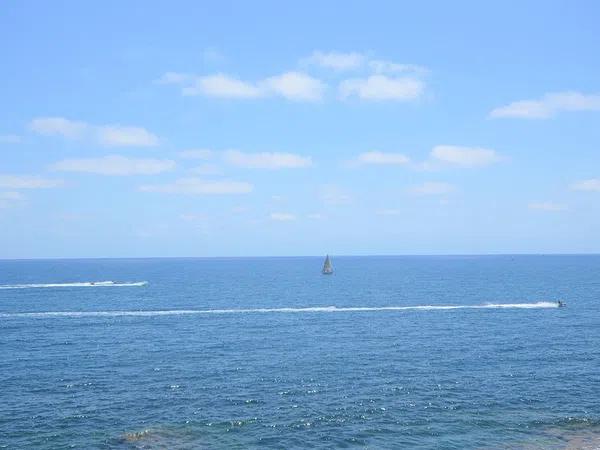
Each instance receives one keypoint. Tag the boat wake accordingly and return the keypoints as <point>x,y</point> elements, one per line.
<point>76,284</point>
<point>314,309</point>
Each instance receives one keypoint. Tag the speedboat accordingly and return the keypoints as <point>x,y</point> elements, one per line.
<point>561,304</point>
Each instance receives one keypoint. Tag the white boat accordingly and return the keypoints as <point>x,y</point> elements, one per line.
<point>327,267</point>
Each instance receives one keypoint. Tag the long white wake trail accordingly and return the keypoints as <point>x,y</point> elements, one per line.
<point>75,284</point>
<point>315,309</point>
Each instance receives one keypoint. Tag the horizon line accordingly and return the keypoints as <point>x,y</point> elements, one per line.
<point>46,258</point>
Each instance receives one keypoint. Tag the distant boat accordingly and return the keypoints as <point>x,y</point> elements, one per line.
<point>102,283</point>
<point>327,267</point>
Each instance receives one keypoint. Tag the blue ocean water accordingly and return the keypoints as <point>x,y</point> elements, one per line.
<point>311,361</point>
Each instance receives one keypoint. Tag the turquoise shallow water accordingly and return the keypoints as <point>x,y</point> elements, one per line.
<point>312,361</point>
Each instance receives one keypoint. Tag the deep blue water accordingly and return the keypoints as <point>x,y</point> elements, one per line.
<point>413,378</point>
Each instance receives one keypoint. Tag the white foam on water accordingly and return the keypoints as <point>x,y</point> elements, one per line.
<point>522,305</point>
<point>75,284</point>
<point>314,309</point>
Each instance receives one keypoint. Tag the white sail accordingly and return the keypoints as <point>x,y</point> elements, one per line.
<point>327,267</point>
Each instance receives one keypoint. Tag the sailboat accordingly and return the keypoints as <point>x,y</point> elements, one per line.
<point>327,267</point>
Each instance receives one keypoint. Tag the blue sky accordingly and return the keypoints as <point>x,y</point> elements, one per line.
<point>270,128</point>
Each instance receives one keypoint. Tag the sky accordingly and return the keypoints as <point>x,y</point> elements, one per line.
<point>183,128</point>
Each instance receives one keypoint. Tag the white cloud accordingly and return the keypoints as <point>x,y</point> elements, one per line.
<point>381,87</point>
<point>59,126</point>
<point>433,188</point>
<point>266,160</point>
<point>382,158</point>
<point>115,165</point>
<point>340,61</point>
<point>119,136</point>
<point>221,85</point>
<point>27,182</point>
<point>548,106</point>
<point>593,184</point>
<point>294,86</point>
<point>282,217</point>
<point>441,156</point>
<point>336,60</point>
<point>10,139</point>
<point>547,206</point>
<point>197,186</point>
<point>334,195</point>
<point>388,212</point>
<point>290,85</point>
<point>196,153</point>
<point>299,86</point>
<point>382,66</point>
<point>315,216</point>
<point>464,156</point>
<point>108,135</point>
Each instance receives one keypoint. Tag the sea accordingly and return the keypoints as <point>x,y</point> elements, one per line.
<point>415,352</point>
